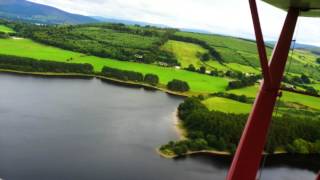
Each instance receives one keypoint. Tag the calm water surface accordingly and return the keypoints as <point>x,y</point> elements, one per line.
<point>73,129</point>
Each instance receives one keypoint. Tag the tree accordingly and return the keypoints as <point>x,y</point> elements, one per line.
<point>202,70</point>
<point>205,57</point>
<point>214,73</point>
<point>180,149</point>
<point>191,68</point>
<point>305,79</point>
<point>198,144</point>
<point>301,146</point>
<point>196,134</point>
<point>122,74</point>
<point>311,90</point>
<point>3,35</point>
<point>318,60</point>
<point>221,144</point>
<point>151,79</point>
<point>178,85</point>
<point>316,147</point>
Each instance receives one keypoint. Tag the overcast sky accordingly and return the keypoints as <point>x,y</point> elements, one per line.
<point>231,17</point>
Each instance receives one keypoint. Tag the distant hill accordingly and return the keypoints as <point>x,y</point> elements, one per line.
<point>311,48</point>
<point>127,22</point>
<point>38,13</point>
<point>141,23</point>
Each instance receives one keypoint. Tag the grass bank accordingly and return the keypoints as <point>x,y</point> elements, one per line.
<point>88,76</point>
<point>198,83</point>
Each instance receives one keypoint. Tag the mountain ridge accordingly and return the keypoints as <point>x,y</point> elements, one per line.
<point>39,13</point>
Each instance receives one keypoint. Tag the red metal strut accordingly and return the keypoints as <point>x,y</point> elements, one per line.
<point>247,159</point>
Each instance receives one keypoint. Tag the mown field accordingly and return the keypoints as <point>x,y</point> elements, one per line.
<point>199,83</point>
<point>227,105</point>
<point>5,29</point>
<point>186,53</point>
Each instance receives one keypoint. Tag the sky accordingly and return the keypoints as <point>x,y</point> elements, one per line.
<point>228,17</point>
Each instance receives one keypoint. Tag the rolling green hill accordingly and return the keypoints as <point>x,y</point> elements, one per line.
<point>38,13</point>
<point>244,52</point>
<point>134,43</point>
<point>116,41</point>
<point>5,29</point>
<point>27,48</point>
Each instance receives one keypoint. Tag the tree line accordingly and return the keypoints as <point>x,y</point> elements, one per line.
<point>33,65</point>
<point>244,82</point>
<point>125,75</point>
<point>222,131</point>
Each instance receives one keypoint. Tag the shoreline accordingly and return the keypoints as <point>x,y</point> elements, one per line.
<point>103,78</point>
<point>182,135</point>
<point>181,132</point>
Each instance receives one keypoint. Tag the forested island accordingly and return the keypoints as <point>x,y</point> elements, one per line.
<point>218,131</point>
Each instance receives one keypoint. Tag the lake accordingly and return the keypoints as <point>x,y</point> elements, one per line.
<point>77,129</point>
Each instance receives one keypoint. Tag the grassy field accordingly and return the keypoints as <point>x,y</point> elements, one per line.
<point>244,52</point>
<point>218,66</point>
<point>229,47</point>
<point>198,83</point>
<point>227,105</point>
<point>243,68</point>
<point>316,86</point>
<point>186,53</point>
<point>5,29</point>
<point>310,101</point>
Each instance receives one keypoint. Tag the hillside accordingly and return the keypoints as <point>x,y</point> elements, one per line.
<point>208,63</point>
<point>244,52</point>
<point>37,13</point>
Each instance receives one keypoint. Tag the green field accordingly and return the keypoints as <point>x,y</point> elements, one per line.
<point>244,52</point>
<point>186,53</point>
<point>227,105</point>
<point>243,68</point>
<point>231,49</point>
<point>218,66</point>
<point>310,101</point>
<point>199,83</point>
<point>5,29</point>
<point>316,86</point>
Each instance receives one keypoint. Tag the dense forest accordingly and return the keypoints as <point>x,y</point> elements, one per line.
<point>33,65</point>
<point>221,131</point>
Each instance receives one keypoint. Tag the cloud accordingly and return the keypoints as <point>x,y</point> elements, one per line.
<point>231,17</point>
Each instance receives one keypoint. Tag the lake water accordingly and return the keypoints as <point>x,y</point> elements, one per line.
<point>74,129</point>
